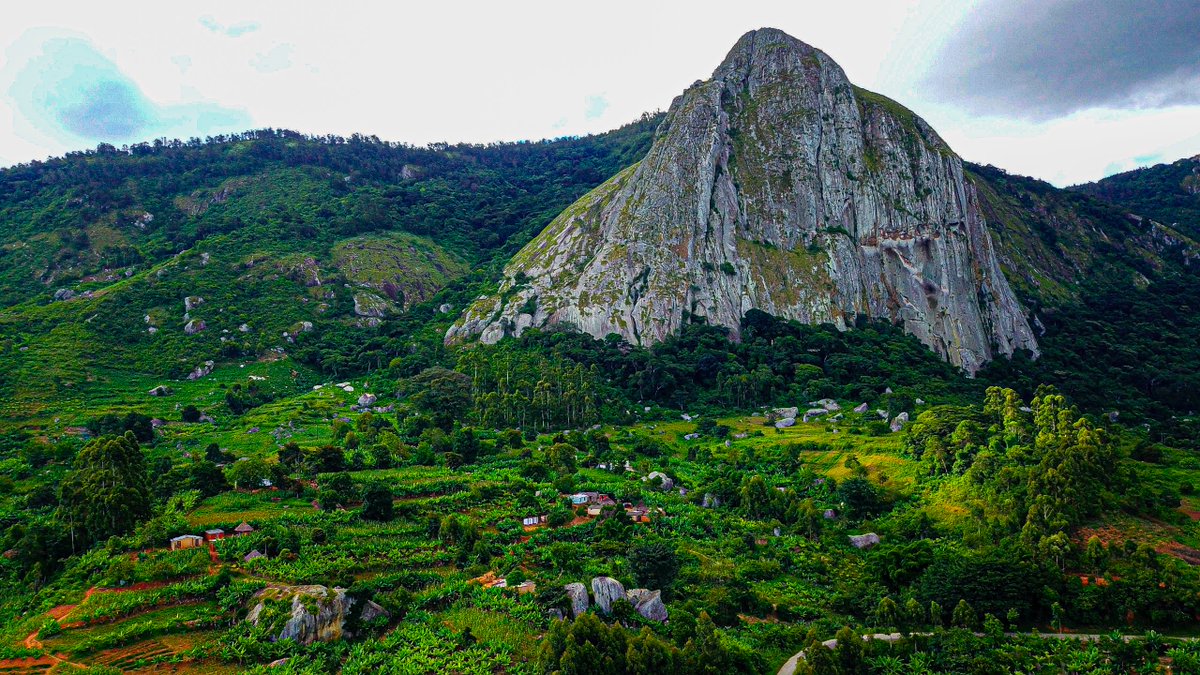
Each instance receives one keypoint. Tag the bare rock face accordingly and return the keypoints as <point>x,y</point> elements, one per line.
<point>306,614</point>
<point>579,598</point>
<point>776,185</point>
<point>607,591</point>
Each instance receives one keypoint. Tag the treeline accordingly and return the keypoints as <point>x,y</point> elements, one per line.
<point>563,378</point>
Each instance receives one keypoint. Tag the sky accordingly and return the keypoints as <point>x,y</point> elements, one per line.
<point>1065,90</point>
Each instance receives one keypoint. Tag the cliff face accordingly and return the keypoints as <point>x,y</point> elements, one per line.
<point>780,186</point>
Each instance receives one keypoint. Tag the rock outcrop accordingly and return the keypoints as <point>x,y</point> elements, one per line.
<point>775,185</point>
<point>307,614</point>
<point>606,591</point>
<point>648,603</point>
<point>578,596</point>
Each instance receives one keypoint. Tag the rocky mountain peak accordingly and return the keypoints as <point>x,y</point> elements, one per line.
<point>775,185</point>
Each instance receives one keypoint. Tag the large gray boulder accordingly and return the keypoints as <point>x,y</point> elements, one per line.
<point>786,413</point>
<point>607,590</point>
<point>194,326</point>
<point>861,408</point>
<point>63,294</point>
<point>306,614</point>
<point>366,400</point>
<point>192,302</point>
<point>648,603</point>
<point>899,421</point>
<point>786,422</point>
<point>826,403</point>
<point>864,541</point>
<point>578,596</point>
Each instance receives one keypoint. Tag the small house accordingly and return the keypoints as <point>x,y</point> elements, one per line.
<point>530,521</point>
<point>186,541</point>
<point>242,530</point>
<point>579,498</point>
<point>214,535</point>
<point>638,514</point>
<point>253,555</point>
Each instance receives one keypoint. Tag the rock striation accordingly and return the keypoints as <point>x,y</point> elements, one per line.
<point>776,185</point>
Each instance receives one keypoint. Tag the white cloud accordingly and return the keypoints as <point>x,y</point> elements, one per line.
<point>486,71</point>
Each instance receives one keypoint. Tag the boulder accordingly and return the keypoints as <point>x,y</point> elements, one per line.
<point>826,403</point>
<point>160,390</point>
<point>899,421</point>
<point>814,413</point>
<point>366,400</point>
<point>860,409</point>
<point>887,390</point>
<point>691,437</point>
<point>786,422</point>
<point>710,501</point>
<point>864,541</point>
<point>667,482</point>
<point>306,614</point>
<point>63,294</point>
<point>648,603</point>
<point>579,598</point>
<point>607,590</point>
<point>786,413</point>
<point>192,302</point>
<point>883,414</point>
<point>830,514</point>
<point>194,326</point>
<point>444,308</point>
<point>919,401</point>
<point>201,370</point>
<point>244,328</point>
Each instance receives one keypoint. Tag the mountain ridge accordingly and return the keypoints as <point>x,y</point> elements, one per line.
<point>780,186</point>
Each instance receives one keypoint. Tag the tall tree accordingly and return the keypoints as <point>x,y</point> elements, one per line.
<point>108,492</point>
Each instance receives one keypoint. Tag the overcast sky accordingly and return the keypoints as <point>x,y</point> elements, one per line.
<point>1065,90</point>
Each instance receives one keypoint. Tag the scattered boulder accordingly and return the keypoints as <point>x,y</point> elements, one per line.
<point>899,421</point>
<point>648,603</point>
<point>152,330</point>
<point>826,403</point>
<point>366,400</point>
<point>887,390</point>
<point>864,541</point>
<point>667,482</point>
<point>786,413</point>
<point>691,437</point>
<point>63,294</point>
<point>194,326</point>
<point>201,370</point>
<point>445,308</point>
<point>1113,416</point>
<point>245,328</point>
<point>919,401</point>
<point>830,514</point>
<point>607,591</point>
<point>579,598</point>
<point>710,501</point>
<point>161,390</point>
<point>861,408</point>
<point>786,422</point>
<point>883,414</point>
<point>314,614</point>
<point>814,413</point>
<point>192,302</point>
